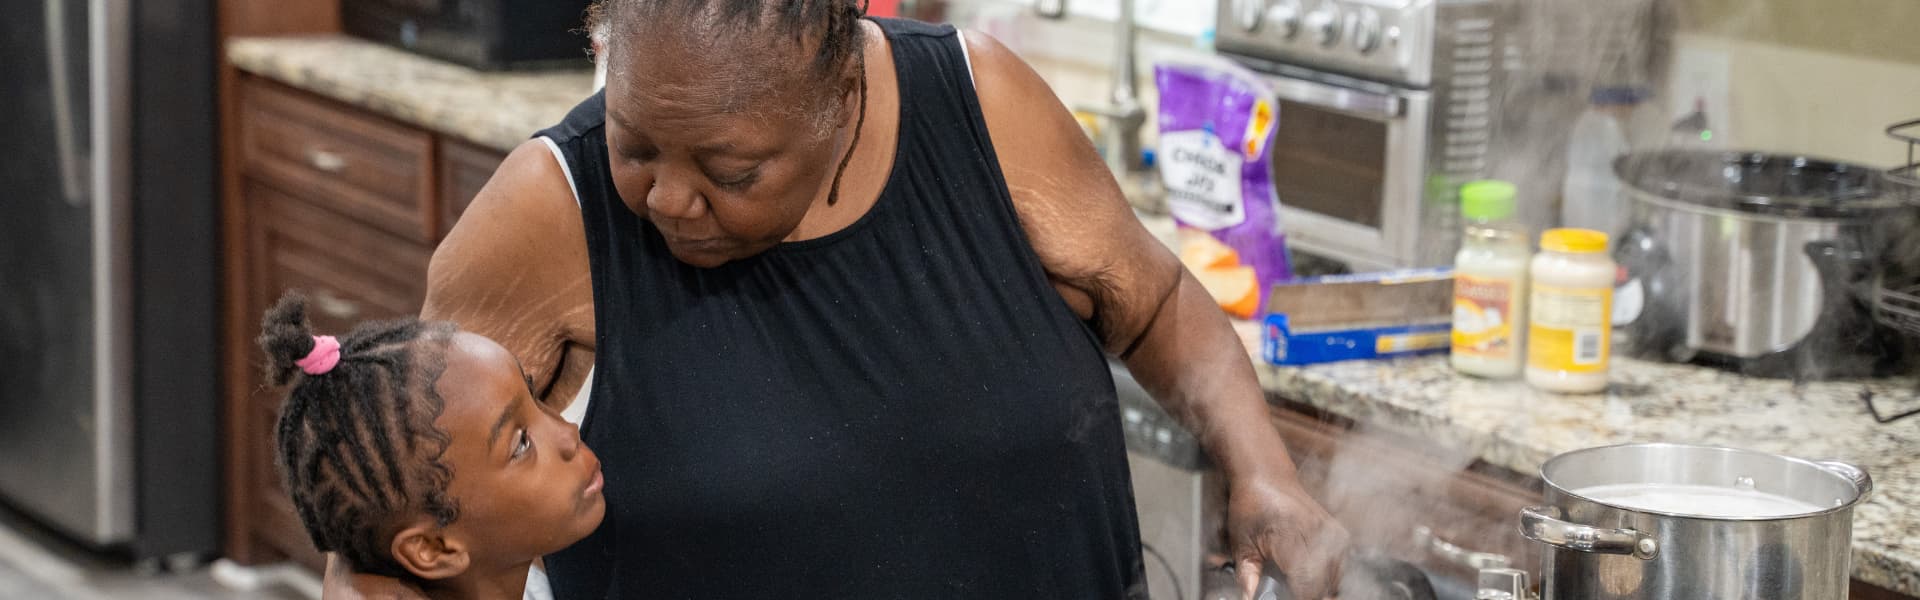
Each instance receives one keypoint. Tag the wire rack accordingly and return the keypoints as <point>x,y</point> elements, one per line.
<point>1896,304</point>
<point>1899,308</point>
<point>1907,175</point>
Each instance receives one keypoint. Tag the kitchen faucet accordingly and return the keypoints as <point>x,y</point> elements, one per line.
<point>1124,115</point>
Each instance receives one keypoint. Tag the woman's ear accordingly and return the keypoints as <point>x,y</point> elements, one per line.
<point>429,553</point>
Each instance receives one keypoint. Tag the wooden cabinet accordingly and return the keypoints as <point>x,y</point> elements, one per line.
<point>345,206</point>
<point>1385,487</point>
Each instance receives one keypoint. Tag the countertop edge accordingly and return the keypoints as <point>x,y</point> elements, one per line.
<point>497,111</point>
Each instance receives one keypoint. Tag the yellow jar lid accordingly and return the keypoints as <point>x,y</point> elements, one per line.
<point>1576,241</point>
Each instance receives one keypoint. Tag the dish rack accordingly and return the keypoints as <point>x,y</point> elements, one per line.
<point>1896,304</point>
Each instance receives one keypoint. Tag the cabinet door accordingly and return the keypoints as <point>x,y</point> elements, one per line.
<point>1385,487</point>
<point>464,169</point>
<point>351,273</point>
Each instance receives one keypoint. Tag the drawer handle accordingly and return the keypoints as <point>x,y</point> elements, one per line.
<point>335,306</point>
<point>326,161</point>
<point>1454,554</point>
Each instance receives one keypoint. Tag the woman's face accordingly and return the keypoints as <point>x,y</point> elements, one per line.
<point>525,484</point>
<point>723,151</point>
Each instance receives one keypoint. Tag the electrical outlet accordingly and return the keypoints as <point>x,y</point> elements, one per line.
<point>1701,78</point>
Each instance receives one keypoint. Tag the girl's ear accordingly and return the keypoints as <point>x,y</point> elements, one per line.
<point>429,553</point>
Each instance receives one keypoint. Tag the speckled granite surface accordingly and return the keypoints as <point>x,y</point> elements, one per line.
<point>1509,424</point>
<point>495,110</point>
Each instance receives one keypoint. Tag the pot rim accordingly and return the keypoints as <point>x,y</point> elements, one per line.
<point>1637,172</point>
<point>1859,494</point>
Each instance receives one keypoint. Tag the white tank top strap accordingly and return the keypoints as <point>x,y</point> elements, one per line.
<point>561,158</point>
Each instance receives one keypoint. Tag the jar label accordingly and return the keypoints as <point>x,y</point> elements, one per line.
<point>1483,317</point>
<point>1571,329</point>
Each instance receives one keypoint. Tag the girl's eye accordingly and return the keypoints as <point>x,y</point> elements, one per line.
<point>521,443</point>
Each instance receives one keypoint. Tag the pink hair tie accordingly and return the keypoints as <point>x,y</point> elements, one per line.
<point>325,354</point>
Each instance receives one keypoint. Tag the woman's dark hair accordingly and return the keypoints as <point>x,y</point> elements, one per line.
<point>834,23</point>
<point>358,449</point>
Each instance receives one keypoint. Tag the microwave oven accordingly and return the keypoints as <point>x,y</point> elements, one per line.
<point>484,34</point>
<point>1385,109</point>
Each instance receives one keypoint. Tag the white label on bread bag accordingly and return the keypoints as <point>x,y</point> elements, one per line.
<point>1202,177</point>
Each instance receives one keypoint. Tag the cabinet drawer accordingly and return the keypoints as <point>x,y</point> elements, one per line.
<point>350,272</point>
<point>464,169</point>
<point>372,170</point>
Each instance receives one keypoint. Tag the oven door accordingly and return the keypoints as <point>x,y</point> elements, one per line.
<point>1348,165</point>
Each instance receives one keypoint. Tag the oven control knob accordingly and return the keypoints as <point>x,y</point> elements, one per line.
<point>1284,18</point>
<point>1248,13</point>
<point>1366,31</point>
<point>1324,24</point>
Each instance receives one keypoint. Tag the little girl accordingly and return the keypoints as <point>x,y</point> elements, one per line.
<point>417,451</point>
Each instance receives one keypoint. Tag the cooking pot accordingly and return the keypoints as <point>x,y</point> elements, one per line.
<point>1761,263</point>
<point>1604,547</point>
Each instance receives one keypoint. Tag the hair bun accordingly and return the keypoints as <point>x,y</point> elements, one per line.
<point>286,336</point>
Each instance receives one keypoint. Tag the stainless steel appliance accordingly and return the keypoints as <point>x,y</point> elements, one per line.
<point>108,413</point>
<point>1386,106</point>
<point>483,34</point>
<point>1762,263</point>
<point>1607,551</point>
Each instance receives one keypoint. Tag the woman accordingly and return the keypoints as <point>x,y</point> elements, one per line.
<point>845,287</point>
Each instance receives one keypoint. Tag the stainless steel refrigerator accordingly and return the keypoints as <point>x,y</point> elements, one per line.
<point>108,259</point>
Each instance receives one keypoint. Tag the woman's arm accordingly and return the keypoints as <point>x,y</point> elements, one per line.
<point>1155,316</point>
<point>515,269</point>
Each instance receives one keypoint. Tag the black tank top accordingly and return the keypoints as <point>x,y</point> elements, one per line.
<point>901,409</point>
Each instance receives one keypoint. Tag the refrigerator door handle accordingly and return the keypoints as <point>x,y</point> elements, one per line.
<point>110,37</point>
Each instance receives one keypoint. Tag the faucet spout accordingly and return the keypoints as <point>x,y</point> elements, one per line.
<point>1126,114</point>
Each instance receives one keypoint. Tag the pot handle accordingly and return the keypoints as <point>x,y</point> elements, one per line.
<point>1861,480</point>
<point>1454,554</point>
<point>1542,524</point>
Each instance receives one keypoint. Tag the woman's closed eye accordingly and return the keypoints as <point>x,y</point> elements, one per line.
<point>735,181</point>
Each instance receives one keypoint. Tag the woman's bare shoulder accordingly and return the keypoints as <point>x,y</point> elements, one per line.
<point>515,266</point>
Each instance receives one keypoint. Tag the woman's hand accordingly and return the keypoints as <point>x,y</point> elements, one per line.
<point>1271,519</point>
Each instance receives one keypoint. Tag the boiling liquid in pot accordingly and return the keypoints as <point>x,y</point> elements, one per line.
<point>1698,500</point>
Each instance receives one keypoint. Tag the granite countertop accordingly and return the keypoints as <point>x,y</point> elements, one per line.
<point>1503,423</point>
<point>1513,426</point>
<point>495,110</point>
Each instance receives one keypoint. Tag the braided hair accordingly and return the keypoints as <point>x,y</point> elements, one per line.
<point>834,23</point>
<point>357,446</point>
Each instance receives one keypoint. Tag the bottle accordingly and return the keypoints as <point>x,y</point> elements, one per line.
<point>1591,196</point>
<point>1693,130</point>
<point>1569,336</point>
<point>1489,284</point>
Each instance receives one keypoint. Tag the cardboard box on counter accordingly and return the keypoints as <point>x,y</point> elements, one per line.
<point>1360,316</point>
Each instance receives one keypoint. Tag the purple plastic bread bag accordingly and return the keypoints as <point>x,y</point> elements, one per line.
<point>1215,124</point>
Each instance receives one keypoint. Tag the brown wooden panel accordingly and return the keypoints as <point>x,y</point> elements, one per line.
<point>464,169</point>
<point>1382,487</point>
<point>1867,591</point>
<point>351,273</point>
<point>278,17</point>
<point>371,169</point>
